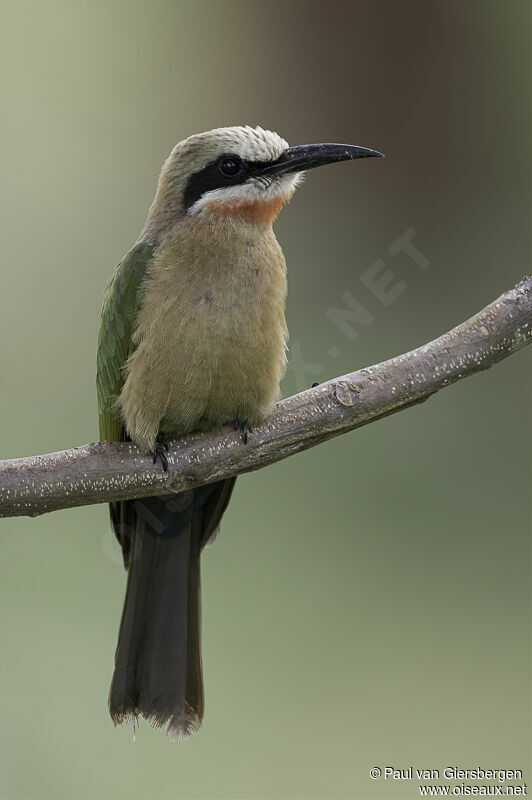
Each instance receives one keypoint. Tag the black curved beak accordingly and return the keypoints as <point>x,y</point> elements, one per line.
<point>308,156</point>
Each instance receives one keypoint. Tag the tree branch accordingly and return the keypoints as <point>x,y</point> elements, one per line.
<point>97,473</point>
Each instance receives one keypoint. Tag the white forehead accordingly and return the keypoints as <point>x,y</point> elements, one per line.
<point>251,144</point>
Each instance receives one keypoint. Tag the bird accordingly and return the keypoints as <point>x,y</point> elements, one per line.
<point>192,337</point>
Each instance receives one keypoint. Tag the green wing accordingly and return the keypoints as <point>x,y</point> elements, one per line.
<point>115,343</point>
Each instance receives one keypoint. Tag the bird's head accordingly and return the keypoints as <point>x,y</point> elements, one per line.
<point>242,172</point>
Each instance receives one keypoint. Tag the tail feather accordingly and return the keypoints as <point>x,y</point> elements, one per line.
<point>158,673</point>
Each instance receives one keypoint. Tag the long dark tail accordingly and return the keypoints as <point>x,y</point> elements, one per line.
<point>158,671</point>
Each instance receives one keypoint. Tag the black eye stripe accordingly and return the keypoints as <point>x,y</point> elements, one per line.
<point>211,177</point>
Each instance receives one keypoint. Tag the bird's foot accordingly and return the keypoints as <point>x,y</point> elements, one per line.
<point>160,450</point>
<point>244,428</point>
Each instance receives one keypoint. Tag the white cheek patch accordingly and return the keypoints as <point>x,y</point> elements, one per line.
<point>262,189</point>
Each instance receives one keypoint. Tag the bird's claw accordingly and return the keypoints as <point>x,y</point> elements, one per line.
<point>244,428</point>
<point>160,450</point>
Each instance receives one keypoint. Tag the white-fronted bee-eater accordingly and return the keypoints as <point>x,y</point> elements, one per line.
<point>193,336</point>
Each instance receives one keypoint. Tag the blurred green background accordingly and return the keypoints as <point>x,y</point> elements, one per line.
<point>368,602</point>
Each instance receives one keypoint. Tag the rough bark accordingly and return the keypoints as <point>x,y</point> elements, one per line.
<point>103,471</point>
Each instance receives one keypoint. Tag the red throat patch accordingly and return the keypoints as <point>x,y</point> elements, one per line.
<point>258,211</point>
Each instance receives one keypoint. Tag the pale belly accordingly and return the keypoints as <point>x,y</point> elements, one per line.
<point>224,368</point>
<point>211,338</point>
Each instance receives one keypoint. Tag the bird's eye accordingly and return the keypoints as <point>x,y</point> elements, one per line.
<point>230,166</point>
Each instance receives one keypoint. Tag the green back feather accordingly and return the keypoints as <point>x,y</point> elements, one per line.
<point>115,343</point>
